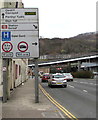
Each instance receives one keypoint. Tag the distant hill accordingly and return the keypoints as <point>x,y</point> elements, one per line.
<point>82,43</point>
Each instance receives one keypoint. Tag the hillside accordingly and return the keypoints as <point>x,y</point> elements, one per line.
<point>82,43</point>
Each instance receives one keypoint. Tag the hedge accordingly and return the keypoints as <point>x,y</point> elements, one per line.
<point>83,74</point>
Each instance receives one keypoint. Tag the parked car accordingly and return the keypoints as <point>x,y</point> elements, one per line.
<point>45,77</point>
<point>57,80</point>
<point>68,76</point>
<point>95,75</point>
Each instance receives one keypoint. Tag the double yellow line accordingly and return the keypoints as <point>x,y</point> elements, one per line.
<point>65,111</point>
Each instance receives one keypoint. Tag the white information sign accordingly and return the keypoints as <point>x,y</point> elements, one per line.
<point>19,33</point>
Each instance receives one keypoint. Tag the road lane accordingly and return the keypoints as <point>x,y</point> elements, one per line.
<point>85,86</point>
<point>75,99</point>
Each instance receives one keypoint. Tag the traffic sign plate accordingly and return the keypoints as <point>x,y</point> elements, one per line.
<point>19,32</point>
<point>7,46</point>
<point>6,36</point>
<point>22,46</point>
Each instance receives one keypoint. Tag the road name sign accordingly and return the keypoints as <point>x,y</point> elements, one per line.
<point>19,33</point>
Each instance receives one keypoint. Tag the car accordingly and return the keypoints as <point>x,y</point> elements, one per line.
<point>23,46</point>
<point>68,76</point>
<point>45,77</point>
<point>57,80</point>
<point>95,75</point>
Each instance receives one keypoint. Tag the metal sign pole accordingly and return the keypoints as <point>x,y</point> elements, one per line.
<point>36,81</point>
<point>5,79</point>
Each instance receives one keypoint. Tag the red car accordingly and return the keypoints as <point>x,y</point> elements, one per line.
<point>45,77</point>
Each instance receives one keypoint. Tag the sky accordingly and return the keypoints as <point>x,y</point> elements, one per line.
<point>64,18</point>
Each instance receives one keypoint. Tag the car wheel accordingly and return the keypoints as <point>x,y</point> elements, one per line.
<point>65,86</point>
<point>49,85</point>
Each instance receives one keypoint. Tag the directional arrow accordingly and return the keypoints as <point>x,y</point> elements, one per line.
<point>35,26</point>
<point>3,15</point>
<point>34,43</point>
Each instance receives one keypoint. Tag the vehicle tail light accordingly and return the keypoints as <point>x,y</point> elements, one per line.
<point>53,79</point>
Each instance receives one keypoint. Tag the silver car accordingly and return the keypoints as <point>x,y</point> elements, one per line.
<point>57,80</point>
<point>68,76</point>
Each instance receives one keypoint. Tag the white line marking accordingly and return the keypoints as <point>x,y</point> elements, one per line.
<point>61,114</point>
<point>75,81</point>
<point>81,82</point>
<point>71,86</point>
<point>91,83</point>
<point>84,82</point>
<point>43,115</point>
<point>85,91</point>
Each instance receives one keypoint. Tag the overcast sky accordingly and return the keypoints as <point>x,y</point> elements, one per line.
<point>64,18</point>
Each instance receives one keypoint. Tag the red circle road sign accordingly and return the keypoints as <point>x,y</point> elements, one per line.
<point>22,46</point>
<point>7,46</point>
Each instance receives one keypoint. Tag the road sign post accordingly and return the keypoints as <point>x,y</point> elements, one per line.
<point>19,33</point>
<point>19,36</point>
<point>5,79</point>
<point>36,81</point>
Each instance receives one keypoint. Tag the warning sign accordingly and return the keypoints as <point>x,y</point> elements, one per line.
<point>7,46</point>
<point>22,46</point>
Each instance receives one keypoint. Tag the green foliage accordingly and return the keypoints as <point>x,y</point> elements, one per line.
<point>82,74</point>
<point>83,43</point>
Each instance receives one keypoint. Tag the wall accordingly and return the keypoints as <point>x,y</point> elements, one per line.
<point>19,74</point>
<point>1,3</point>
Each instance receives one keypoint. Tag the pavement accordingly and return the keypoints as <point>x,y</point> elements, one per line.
<point>22,104</point>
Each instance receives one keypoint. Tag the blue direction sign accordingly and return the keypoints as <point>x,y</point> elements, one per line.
<point>6,36</point>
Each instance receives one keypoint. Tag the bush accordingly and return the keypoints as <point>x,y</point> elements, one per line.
<point>83,74</point>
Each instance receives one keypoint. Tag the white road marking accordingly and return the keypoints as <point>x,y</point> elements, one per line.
<point>61,114</point>
<point>81,82</point>
<point>86,83</point>
<point>85,91</point>
<point>74,81</point>
<point>71,86</point>
<point>91,83</point>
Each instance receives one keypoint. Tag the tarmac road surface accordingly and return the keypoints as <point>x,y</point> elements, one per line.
<point>79,97</point>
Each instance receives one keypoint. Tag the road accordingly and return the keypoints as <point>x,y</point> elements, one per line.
<point>79,97</point>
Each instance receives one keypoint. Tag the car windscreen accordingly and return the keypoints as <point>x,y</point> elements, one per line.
<point>46,75</point>
<point>67,74</point>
